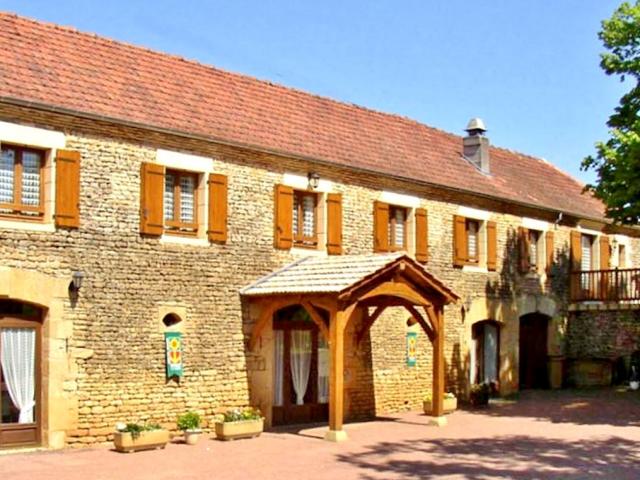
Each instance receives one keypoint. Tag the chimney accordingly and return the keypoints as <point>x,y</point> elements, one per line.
<point>475,146</point>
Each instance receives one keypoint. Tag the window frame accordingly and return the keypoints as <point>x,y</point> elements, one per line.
<point>392,229</point>
<point>476,259</point>
<point>537,235</point>
<point>17,208</point>
<point>178,227</point>
<point>299,239</point>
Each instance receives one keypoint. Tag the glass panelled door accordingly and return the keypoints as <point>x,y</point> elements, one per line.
<point>19,381</point>
<point>301,369</point>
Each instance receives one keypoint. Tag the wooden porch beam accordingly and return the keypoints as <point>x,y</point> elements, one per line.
<point>438,369</point>
<point>317,318</point>
<point>369,321</point>
<point>339,320</point>
<point>395,289</point>
<point>420,319</point>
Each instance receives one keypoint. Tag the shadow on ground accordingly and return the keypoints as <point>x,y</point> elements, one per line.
<point>608,406</point>
<point>499,457</point>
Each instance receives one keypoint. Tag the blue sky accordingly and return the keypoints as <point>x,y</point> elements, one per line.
<point>529,69</point>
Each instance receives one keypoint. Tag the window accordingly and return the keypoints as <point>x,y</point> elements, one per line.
<point>305,219</point>
<point>586,246</point>
<point>622,256</point>
<point>397,228</point>
<point>472,228</point>
<point>534,258</point>
<point>485,353</point>
<point>180,202</point>
<point>21,182</point>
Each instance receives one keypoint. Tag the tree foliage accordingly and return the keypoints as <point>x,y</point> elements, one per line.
<point>617,161</point>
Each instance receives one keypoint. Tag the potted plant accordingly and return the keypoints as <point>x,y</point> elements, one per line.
<point>449,403</point>
<point>479,394</point>
<point>189,423</point>
<point>240,423</point>
<point>132,437</point>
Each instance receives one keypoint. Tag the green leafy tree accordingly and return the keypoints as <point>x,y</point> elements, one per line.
<point>617,161</point>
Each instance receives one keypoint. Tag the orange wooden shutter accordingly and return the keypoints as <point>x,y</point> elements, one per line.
<point>492,246</point>
<point>459,240</point>
<point>380,227</point>
<point>217,231</point>
<point>523,250</point>
<point>151,199</point>
<point>550,251</point>
<point>605,252</point>
<point>67,212</point>
<point>334,223</point>
<point>283,217</point>
<point>422,235</point>
<point>576,251</point>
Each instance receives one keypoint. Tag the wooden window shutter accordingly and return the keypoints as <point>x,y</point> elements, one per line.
<point>459,240</point>
<point>380,227</point>
<point>492,246</point>
<point>217,231</point>
<point>523,250</point>
<point>67,212</point>
<point>283,217</point>
<point>550,250</point>
<point>334,223</point>
<point>422,235</point>
<point>576,251</point>
<point>605,252</point>
<point>151,199</point>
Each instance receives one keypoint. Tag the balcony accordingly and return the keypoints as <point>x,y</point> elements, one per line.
<point>618,285</point>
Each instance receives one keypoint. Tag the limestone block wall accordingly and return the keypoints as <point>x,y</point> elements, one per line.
<point>130,281</point>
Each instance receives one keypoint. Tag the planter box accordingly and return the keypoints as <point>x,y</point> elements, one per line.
<point>448,405</point>
<point>243,429</point>
<point>124,442</point>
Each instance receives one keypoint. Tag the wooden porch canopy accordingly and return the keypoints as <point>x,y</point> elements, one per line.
<point>341,284</point>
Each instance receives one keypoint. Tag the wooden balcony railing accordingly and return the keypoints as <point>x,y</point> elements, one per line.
<point>606,285</point>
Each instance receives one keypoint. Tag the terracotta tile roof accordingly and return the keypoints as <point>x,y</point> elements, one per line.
<point>333,274</point>
<point>60,67</point>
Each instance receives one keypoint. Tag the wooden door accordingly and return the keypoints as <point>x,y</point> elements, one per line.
<point>533,352</point>
<point>18,429</point>
<point>311,410</point>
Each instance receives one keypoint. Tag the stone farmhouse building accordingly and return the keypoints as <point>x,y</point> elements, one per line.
<point>315,259</point>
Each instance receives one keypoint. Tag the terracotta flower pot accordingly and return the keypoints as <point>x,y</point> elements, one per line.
<point>125,442</point>
<point>242,429</point>
<point>448,405</point>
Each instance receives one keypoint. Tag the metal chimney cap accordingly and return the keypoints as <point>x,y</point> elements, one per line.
<point>476,125</point>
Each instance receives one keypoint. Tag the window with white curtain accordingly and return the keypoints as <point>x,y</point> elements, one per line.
<point>180,202</point>
<point>21,182</point>
<point>305,219</point>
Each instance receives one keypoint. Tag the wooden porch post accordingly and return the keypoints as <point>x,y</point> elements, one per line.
<point>438,369</point>
<point>339,319</point>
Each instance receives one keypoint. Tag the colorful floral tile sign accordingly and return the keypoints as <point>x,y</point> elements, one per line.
<point>173,341</point>
<point>412,341</point>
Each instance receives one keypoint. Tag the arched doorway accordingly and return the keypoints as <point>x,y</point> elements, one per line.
<point>301,368</point>
<point>20,374</point>
<point>533,351</point>
<point>485,354</point>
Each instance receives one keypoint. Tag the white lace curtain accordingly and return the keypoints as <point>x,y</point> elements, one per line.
<point>300,357</point>
<point>278,350</point>
<point>18,369</point>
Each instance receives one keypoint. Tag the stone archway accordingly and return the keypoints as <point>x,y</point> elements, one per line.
<point>59,398</point>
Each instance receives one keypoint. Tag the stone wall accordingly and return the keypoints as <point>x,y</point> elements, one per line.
<point>130,280</point>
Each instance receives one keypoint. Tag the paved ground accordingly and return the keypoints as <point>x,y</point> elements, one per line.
<point>561,435</point>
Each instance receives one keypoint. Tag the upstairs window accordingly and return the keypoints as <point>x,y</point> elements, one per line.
<point>180,202</point>
<point>534,259</point>
<point>586,247</point>
<point>305,219</point>
<point>472,228</point>
<point>21,182</point>
<point>398,217</point>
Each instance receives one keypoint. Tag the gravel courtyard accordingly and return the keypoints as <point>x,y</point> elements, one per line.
<point>544,435</point>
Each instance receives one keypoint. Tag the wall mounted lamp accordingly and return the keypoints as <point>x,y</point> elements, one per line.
<point>314,180</point>
<point>76,282</point>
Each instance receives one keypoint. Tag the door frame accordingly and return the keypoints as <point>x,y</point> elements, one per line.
<point>19,321</point>
<point>286,413</point>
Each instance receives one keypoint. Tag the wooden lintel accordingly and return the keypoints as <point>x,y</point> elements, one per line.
<point>395,289</point>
